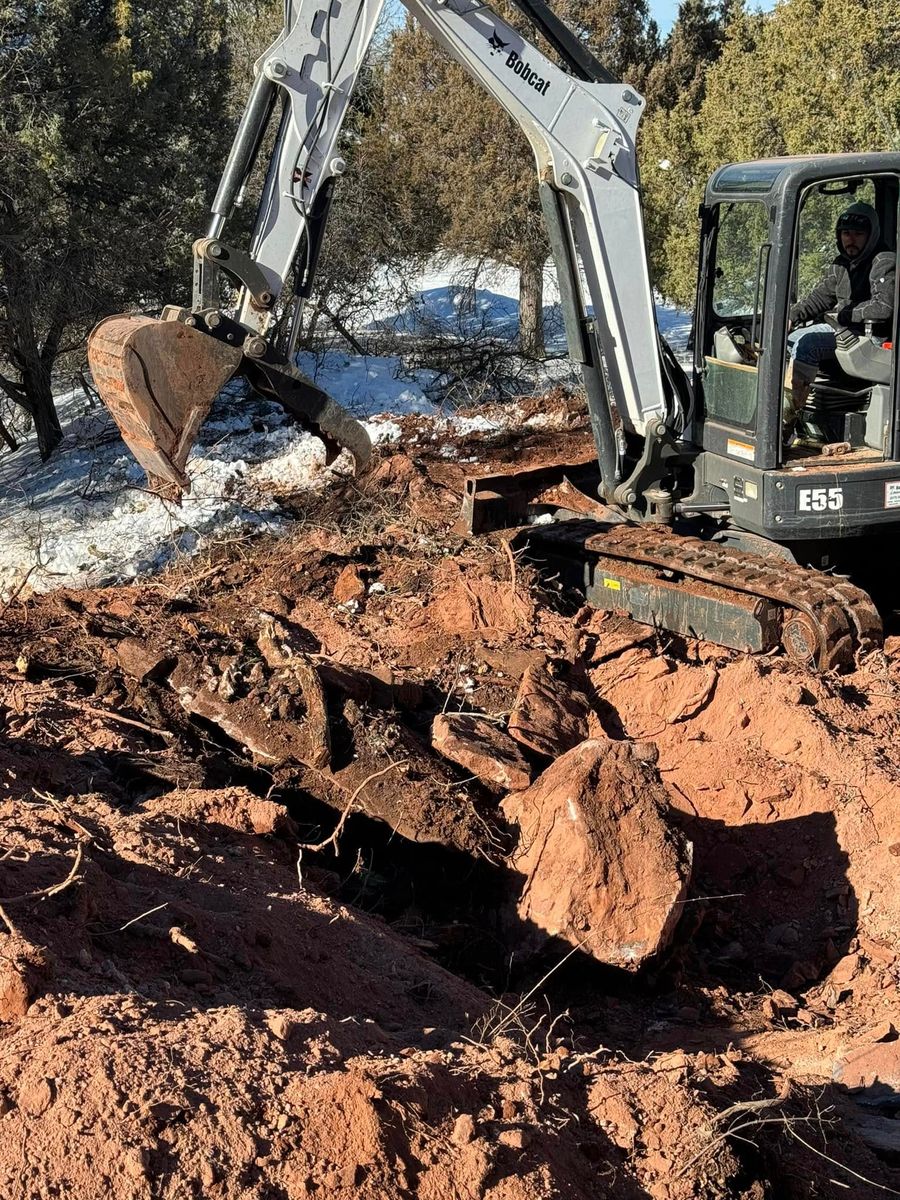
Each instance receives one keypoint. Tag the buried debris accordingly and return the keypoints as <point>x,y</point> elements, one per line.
<point>283,715</point>
<point>277,718</point>
<point>480,746</point>
<point>603,868</point>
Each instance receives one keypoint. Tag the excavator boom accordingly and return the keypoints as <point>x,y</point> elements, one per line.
<point>159,380</point>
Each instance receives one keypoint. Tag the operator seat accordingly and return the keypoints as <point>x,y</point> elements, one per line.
<point>860,370</point>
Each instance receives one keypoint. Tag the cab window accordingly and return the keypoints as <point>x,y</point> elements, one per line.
<point>738,301</point>
<point>849,402</point>
<point>737,287</point>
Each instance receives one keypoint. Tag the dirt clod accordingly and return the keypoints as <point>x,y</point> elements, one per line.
<point>550,713</point>
<point>479,746</point>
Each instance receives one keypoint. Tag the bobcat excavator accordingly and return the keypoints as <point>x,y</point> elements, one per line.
<point>700,520</point>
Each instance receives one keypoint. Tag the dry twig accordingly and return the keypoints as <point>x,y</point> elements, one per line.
<point>19,588</point>
<point>332,840</point>
<point>55,888</point>
<point>9,925</point>
<point>105,713</point>
<point>141,916</point>
<point>882,1187</point>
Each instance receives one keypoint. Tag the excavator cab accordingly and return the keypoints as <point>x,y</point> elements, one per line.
<point>768,235</point>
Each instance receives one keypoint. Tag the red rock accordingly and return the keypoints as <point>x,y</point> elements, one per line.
<point>463,1130</point>
<point>15,994</point>
<point>141,661</point>
<point>866,1065</point>
<point>35,1098</point>
<point>349,585</point>
<point>604,868</point>
<point>884,1031</point>
<point>480,746</point>
<point>549,715</point>
<point>23,977</point>
<point>282,1026</point>
<point>844,969</point>
<point>783,1001</point>
<point>876,952</point>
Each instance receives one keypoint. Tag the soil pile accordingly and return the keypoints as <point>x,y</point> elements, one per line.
<point>269,915</point>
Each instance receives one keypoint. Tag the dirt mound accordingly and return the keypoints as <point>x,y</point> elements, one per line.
<point>240,960</point>
<point>191,1019</point>
<point>804,821</point>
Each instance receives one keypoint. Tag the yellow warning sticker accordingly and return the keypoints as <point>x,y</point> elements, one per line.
<point>743,450</point>
<point>612,584</point>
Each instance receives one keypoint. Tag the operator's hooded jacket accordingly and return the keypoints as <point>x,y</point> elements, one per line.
<point>859,289</point>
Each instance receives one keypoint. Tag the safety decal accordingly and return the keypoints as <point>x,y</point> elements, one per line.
<point>738,449</point>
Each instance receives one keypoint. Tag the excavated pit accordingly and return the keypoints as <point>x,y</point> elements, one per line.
<point>187,1009</point>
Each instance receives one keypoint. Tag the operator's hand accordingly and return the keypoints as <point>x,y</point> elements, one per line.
<point>790,325</point>
<point>845,315</point>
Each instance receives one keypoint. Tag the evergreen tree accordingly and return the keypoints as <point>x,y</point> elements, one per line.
<point>467,161</point>
<point>110,135</point>
<point>812,76</point>
<point>676,87</point>
<point>695,41</point>
<point>622,36</point>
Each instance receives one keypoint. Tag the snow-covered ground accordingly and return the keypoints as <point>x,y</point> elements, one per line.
<point>85,517</point>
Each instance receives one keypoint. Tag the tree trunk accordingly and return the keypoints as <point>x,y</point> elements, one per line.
<point>38,389</point>
<point>531,309</point>
<point>32,362</point>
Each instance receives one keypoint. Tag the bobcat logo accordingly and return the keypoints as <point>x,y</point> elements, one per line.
<point>495,44</point>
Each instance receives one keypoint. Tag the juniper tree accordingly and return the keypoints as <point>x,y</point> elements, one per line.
<point>469,163</point>
<point>110,127</point>
<point>812,76</point>
<point>675,90</point>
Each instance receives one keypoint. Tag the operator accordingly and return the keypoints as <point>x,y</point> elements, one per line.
<point>858,287</point>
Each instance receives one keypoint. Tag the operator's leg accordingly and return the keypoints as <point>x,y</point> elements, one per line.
<point>809,347</point>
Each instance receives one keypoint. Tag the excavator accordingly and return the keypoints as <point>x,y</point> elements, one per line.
<point>696,514</point>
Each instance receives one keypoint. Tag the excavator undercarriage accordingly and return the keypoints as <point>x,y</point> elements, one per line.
<point>757,601</point>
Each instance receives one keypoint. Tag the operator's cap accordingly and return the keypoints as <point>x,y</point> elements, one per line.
<point>854,222</point>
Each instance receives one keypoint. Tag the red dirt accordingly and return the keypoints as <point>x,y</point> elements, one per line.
<point>205,1008</point>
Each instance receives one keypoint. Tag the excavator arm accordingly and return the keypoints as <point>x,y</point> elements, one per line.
<point>159,377</point>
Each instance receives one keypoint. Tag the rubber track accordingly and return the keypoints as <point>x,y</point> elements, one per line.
<point>844,616</point>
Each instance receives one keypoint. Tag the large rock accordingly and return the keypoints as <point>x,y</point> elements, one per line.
<point>604,868</point>
<point>139,659</point>
<point>550,713</point>
<point>866,1066</point>
<point>479,746</point>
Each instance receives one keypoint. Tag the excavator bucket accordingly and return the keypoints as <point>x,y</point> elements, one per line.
<point>159,379</point>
